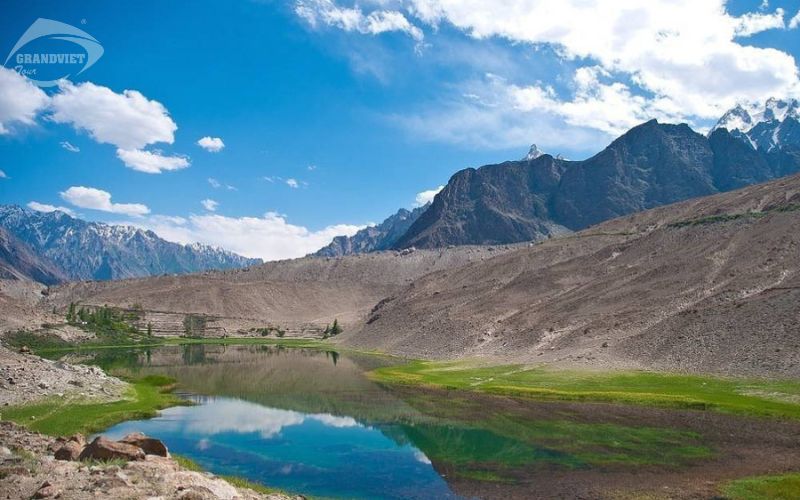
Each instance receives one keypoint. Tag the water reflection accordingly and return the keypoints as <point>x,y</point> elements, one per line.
<point>318,454</point>
<point>313,423</point>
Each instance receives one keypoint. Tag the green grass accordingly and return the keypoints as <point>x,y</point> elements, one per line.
<point>781,487</point>
<point>64,416</point>
<point>715,219</point>
<point>740,396</point>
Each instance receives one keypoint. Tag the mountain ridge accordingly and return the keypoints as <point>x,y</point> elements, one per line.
<point>83,250</point>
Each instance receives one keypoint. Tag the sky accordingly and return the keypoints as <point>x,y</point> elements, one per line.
<point>268,127</point>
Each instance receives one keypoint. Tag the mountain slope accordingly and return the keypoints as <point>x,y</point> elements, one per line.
<point>651,165</point>
<point>18,261</point>
<point>374,238</point>
<point>83,250</point>
<point>707,285</point>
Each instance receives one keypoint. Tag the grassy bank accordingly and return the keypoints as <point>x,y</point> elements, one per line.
<point>780,487</point>
<point>65,416</point>
<point>750,397</point>
<point>51,346</point>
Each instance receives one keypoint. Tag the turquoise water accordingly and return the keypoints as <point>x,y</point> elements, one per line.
<point>317,454</point>
<point>311,422</point>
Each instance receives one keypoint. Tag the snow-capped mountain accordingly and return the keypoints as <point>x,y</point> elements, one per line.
<point>533,153</point>
<point>84,250</point>
<point>765,126</point>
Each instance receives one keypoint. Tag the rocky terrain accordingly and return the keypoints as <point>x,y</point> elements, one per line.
<point>374,238</point>
<point>708,285</point>
<point>541,196</point>
<point>19,261</point>
<point>74,249</point>
<point>28,470</point>
<point>25,378</point>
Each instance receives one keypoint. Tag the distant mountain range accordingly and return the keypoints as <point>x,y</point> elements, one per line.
<point>651,165</point>
<point>374,238</point>
<point>52,247</point>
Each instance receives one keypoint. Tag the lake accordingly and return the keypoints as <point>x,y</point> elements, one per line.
<point>312,422</point>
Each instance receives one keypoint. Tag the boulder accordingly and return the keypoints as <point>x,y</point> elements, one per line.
<point>150,446</point>
<point>105,449</point>
<point>69,451</point>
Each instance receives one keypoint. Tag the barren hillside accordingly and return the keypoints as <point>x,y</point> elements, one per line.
<point>300,294</point>
<point>703,285</point>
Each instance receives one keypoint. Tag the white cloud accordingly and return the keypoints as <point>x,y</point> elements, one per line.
<point>151,162</point>
<point>426,197</point>
<point>3,175</point>
<point>795,21</point>
<point>20,100</point>
<point>672,59</point>
<point>326,12</point>
<point>211,144</point>
<point>754,22</point>
<point>681,51</point>
<point>210,205</point>
<point>218,185</point>
<point>96,199</point>
<point>128,120</point>
<point>69,147</point>
<point>269,237</point>
<point>44,207</point>
<point>292,183</point>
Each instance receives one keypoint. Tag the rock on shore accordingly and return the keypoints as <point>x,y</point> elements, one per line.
<point>29,470</point>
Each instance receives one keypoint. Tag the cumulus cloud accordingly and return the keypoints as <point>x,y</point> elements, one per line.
<point>69,147</point>
<point>269,237</point>
<point>151,162</point>
<point>44,207</point>
<point>96,199</point>
<point>753,22</point>
<point>211,144</point>
<point>795,21</point>
<point>3,175</point>
<point>20,100</point>
<point>326,12</point>
<point>683,51</point>
<point>292,183</point>
<point>210,204</point>
<point>426,197</point>
<point>128,120</point>
<point>681,60</point>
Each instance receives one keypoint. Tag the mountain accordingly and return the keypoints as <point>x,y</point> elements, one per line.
<point>82,250</point>
<point>651,165</point>
<point>706,285</point>
<point>374,238</point>
<point>772,125</point>
<point>19,261</point>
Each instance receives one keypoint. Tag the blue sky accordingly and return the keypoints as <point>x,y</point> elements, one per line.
<point>363,104</point>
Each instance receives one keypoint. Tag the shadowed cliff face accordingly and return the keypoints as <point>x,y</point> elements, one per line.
<point>651,165</point>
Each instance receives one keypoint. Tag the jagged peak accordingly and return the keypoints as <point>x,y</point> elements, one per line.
<point>533,153</point>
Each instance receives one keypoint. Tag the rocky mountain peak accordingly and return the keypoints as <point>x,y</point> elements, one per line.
<point>533,153</point>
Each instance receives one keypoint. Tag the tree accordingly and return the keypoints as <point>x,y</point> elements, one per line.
<point>71,313</point>
<point>335,329</point>
<point>149,329</point>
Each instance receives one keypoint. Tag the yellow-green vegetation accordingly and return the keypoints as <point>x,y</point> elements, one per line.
<point>780,487</point>
<point>751,397</point>
<point>65,416</point>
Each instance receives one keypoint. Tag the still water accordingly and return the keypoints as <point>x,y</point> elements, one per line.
<point>312,423</point>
